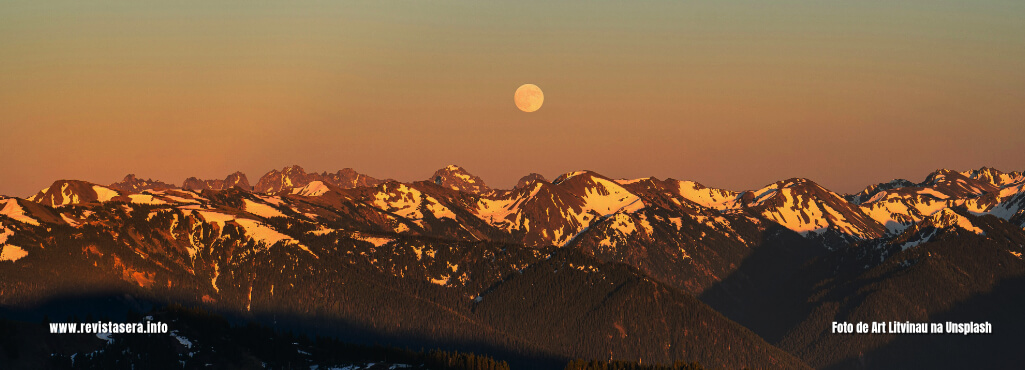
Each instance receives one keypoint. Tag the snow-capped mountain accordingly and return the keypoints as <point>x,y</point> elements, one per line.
<point>456,178</point>
<point>872,190</point>
<point>538,213</point>
<point>994,176</point>
<point>470,247</point>
<point>65,192</point>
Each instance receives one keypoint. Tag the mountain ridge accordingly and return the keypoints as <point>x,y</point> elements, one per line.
<point>792,249</point>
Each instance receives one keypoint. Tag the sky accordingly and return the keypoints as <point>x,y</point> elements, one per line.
<point>732,94</point>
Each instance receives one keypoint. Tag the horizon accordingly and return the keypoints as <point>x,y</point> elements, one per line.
<point>254,180</point>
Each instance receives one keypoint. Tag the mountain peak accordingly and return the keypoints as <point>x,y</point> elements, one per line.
<point>569,175</point>
<point>287,179</point>
<point>872,190</point>
<point>994,176</point>
<point>956,184</point>
<point>348,178</point>
<point>940,175</point>
<point>295,177</point>
<point>794,182</point>
<point>65,192</point>
<point>237,179</point>
<point>457,178</point>
<point>133,184</point>
<point>526,180</point>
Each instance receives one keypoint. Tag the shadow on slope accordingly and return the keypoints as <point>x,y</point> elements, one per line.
<point>34,343</point>
<point>768,291</point>
<point>1001,307</point>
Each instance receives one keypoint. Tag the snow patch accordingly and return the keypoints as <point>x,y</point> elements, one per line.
<point>5,234</point>
<point>104,194</point>
<point>183,340</point>
<point>12,209</point>
<point>628,182</point>
<point>11,252</point>
<point>313,189</point>
<point>261,209</point>
<point>707,197</point>
<point>145,199</point>
<point>442,281</point>
<point>933,193</point>
<point>375,240</point>
<point>73,222</point>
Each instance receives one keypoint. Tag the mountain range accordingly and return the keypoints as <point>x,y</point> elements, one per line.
<point>583,266</point>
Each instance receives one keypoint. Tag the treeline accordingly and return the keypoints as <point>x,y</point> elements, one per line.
<point>580,364</point>
<point>200,339</point>
<point>462,361</point>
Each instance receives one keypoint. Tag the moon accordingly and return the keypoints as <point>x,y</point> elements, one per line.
<point>529,98</point>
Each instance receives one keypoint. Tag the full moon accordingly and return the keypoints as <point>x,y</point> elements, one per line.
<point>529,98</point>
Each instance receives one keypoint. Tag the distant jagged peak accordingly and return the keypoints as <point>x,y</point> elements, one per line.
<point>194,183</point>
<point>295,177</point>
<point>872,190</point>
<point>527,180</point>
<point>634,181</point>
<point>457,178</point>
<point>348,178</point>
<point>294,169</point>
<point>286,179</point>
<point>236,179</point>
<point>955,184</point>
<point>133,184</point>
<point>795,185</point>
<point>942,175</point>
<point>569,175</point>
<point>944,184</point>
<point>994,176</point>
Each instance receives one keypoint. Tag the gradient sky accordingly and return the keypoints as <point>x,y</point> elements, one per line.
<point>732,94</point>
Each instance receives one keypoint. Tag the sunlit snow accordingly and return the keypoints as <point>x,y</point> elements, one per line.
<point>11,252</point>
<point>12,209</point>
<point>104,194</point>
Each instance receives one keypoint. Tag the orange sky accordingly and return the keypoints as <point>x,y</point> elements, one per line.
<point>730,95</point>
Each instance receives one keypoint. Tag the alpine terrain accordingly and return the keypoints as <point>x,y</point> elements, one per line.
<point>648,271</point>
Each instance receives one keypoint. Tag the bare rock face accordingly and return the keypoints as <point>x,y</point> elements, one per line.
<point>132,184</point>
<point>456,178</point>
<point>526,180</point>
<point>286,179</point>
<point>295,177</point>
<point>348,178</point>
<point>237,179</point>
